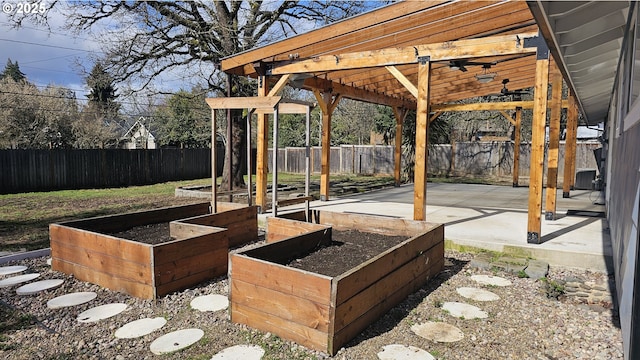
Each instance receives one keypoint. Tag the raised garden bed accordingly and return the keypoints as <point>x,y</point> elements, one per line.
<point>324,312</point>
<point>133,253</point>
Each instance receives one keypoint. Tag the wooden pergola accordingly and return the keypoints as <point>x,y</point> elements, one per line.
<point>410,56</point>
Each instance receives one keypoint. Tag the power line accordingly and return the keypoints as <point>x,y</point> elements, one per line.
<point>45,45</point>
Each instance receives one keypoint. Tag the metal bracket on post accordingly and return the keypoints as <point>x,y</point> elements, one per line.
<point>424,60</point>
<point>533,238</point>
<point>539,43</point>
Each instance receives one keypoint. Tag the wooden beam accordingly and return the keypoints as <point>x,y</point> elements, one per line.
<point>279,85</point>
<point>287,107</point>
<point>403,80</point>
<point>570,147</point>
<point>392,13</point>
<point>492,106</point>
<point>537,151</point>
<point>422,131</point>
<point>399,114</point>
<point>434,116</point>
<point>554,142</point>
<point>262,148</point>
<point>516,147</point>
<point>508,117</point>
<point>327,102</point>
<point>214,173</point>
<point>259,103</point>
<point>351,92</point>
<point>450,50</point>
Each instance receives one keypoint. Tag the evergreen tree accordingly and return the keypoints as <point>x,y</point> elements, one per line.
<point>12,70</point>
<point>103,92</point>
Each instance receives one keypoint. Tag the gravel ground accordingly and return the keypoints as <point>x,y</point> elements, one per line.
<point>523,324</point>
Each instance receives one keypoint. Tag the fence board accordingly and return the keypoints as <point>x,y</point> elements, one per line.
<point>46,170</point>
<point>472,158</point>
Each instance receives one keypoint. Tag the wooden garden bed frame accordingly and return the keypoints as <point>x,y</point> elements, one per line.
<point>323,312</point>
<point>200,252</point>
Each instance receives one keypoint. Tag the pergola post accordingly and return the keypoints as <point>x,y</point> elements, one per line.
<point>399,114</point>
<point>537,145</point>
<point>554,142</point>
<point>274,170</point>
<point>516,146</point>
<point>328,103</point>
<point>214,172</point>
<point>570,147</point>
<point>262,148</point>
<point>422,131</point>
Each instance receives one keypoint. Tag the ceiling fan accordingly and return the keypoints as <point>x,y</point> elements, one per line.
<point>462,64</point>
<point>506,92</point>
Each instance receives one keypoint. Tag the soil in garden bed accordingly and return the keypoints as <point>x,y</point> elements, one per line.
<point>160,233</point>
<point>148,234</point>
<point>347,250</point>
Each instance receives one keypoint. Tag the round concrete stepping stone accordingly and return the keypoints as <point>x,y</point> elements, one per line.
<point>212,302</point>
<point>491,280</point>
<point>8,270</point>
<point>101,312</point>
<point>38,286</point>
<point>465,311</point>
<point>15,280</point>
<point>438,332</point>
<point>240,352</point>
<point>140,327</point>
<point>477,294</point>
<point>175,341</point>
<point>403,352</point>
<point>72,299</point>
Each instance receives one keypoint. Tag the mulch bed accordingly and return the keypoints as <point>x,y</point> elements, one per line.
<point>348,249</point>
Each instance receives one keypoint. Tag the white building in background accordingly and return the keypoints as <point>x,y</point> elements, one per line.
<point>138,137</point>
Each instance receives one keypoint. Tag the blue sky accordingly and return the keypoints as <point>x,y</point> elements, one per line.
<point>46,58</point>
<point>59,57</point>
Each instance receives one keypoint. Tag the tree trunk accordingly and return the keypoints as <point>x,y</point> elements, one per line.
<point>238,156</point>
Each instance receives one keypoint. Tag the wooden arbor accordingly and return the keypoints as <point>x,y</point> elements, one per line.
<point>261,106</point>
<point>402,56</point>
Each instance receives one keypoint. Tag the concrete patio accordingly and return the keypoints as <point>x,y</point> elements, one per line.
<point>495,218</point>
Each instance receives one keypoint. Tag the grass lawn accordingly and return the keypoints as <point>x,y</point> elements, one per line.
<point>25,218</point>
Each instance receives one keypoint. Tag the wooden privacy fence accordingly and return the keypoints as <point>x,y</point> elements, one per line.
<point>46,170</point>
<point>472,158</point>
<point>345,159</point>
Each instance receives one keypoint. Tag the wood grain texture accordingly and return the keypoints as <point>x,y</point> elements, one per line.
<point>284,305</point>
<point>106,280</point>
<point>385,286</point>
<point>363,276</point>
<point>422,140</point>
<point>338,339</point>
<point>536,171</point>
<point>372,223</point>
<point>303,335</point>
<point>304,284</point>
<point>296,304</point>
<point>99,243</point>
<point>121,222</point>
<point>241,223</point>
<point>280,228</point>
<point>553,150</point>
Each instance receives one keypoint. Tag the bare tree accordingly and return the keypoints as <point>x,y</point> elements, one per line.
<point>146,40</point>
<point>35,119</point>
